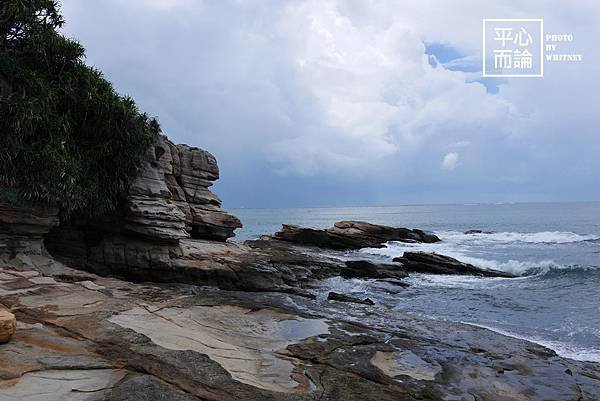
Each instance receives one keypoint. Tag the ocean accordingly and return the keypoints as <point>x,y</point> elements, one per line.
<point>553,247</point>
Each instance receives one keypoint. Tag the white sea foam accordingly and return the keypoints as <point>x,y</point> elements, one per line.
<point>469,248</point>
<point>395,249</point>
<point>542,237</point>
<point>563,349</point>
<point>451,281</point>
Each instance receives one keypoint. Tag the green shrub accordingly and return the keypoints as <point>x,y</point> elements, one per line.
<point>67,138</point>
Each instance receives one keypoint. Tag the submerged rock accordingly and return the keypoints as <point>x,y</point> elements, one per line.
<point>336,296</point>
<point>468,232</point>
<point>352,235</point>
<point>424,262</point>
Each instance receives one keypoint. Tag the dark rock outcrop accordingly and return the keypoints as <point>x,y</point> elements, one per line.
<point>352,235</point>
<point>477,231</point>
<point>366,269</point>
<point>424,262</point>
<point>22,229</point>
<point>336,296</point>
<point>259,265</point>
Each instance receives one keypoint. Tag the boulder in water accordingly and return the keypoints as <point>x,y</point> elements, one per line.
<point>469,232</point>
<point>424,262</point>
<point>346,235</point>
<point>366,269</point>
<point>335,296</point>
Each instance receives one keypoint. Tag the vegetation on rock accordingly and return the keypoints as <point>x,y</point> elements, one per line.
<point>67,138</point>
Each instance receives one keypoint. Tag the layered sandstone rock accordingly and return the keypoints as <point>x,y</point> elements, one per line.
<point>169,203</point>
<point>22,229</point>
<point>352,235</point>
<point>8,324</point>
<point>170,200</point>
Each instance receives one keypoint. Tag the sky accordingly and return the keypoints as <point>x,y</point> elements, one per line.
<point>356,102</point>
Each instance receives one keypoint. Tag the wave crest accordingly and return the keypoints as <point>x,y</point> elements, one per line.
<point>542,237</point>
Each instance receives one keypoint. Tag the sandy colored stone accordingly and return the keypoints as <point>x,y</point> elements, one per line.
<point>62,385</point>
<point>8,325</point>
<point>250,353</point>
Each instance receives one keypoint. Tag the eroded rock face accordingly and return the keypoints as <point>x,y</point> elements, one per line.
<point>22,229</point>
<point>171,200</point>
<point>424,262</point>
<point>167,204</point>
<point>352,235</point>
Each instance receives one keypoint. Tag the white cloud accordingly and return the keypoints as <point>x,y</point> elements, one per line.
<point>341,92</point>
<point>450,161</point>
<point>376,92</point>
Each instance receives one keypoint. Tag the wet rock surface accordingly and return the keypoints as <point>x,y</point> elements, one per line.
<point>87,337</point>
<point>352,235</point>
<point>366,269</point>
<point>335,296</point>
<point>424,262</point>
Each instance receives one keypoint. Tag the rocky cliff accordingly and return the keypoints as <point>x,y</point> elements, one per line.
<point>170,201</point>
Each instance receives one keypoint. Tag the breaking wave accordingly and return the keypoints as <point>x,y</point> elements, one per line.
<point>543,237</point>
<point>475,249</point>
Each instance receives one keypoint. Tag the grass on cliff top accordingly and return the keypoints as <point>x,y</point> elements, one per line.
<point>67,138</point>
